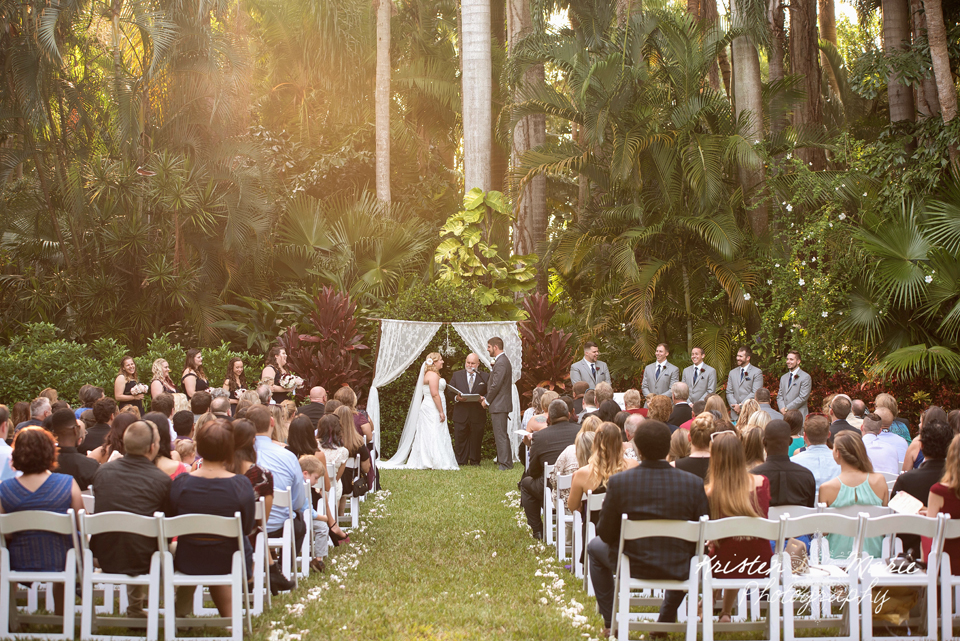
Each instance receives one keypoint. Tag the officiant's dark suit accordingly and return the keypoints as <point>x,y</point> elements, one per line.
<point>469,419</point>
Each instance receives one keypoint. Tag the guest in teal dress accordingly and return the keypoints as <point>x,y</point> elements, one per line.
<point>39,488</point>
<point>856,485</point>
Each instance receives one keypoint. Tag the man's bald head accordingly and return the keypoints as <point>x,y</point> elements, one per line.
<point>318,395</point>
<point>858,408</point>
<point>633,422</point>
<point>139,438</point>
<point>886,416</point>
<point>777,437</point>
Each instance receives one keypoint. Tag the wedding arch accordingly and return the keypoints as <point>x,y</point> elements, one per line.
<point>401,342</point>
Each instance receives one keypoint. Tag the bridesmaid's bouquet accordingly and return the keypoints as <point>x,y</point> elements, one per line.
<point>291,382</point>
<point>139,388</point>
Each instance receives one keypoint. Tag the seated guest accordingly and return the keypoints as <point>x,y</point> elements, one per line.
<point>348,397</point>
<point>286,473</point>
<point>313,472</point>
<point>130,484</point>
<point>247,399</point>
<point>734,491</point>
<point>265,394</point>
<point>331,446</point>
<point>715,403</point>
<point>608,411</point>
<point>353,441</point>
<point>898,426</point>
<point>187,451</point>
<point>39,488</point>
<point>89,394</point>
<point>679,446</point>
<point>314,409</point>
<point>220,406</point>
<point>747,409</point>
<point>935,437</point>
<point>589,403</point>
<point>695,411</point>
<point>212,489</point>
<point>167,458</point>
<point>69,460</point>
<point>858,409</point>
<point>6,452</point>
<point>547,445</point>
<point>60,405</point>
<point>633,402</point>
<point>164,404</point>
<point>539,419</point>
<point>943,497</point>
<point>698,461</point>
<point>630,430</point>
<point>790,483</point>
<point>818,458</point>
<point>40,408</point>
<point>794,419</point>
<point>602,392</point>
<point>682,412</point>
<point>659,409</point>
<point>856,485</point>
<point>579,389</point>
<point>103,411</point>
<point>839,410</point>
<point>535,397</point>
<point>112,447</point>
<point>606,459</point>
<point>882,454</point>
<point>652,490</point>
<point>752,439</point>
<point>200,404</point>
<point>886,436</point>
<point>568,462</point>
<point>183,424</point>
<point>914,456</point>
<point>763,398</point>
<point>245,462</point>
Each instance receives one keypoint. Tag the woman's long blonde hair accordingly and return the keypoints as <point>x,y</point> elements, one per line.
<point>606,458</point>
<point>584,447</point>
<point>758,419</point>
<point>348,433</point>
<point>747,409</point>
<point>679,445</point>
<point>716,402</point>
<point>731,487</point>
<point>548,397</point>
<point>753,451</point>
<point>281,424</point>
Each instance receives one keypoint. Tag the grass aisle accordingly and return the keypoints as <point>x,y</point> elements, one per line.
<point>440,556</point>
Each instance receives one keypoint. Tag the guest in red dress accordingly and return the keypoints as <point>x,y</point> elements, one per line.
<point>733,491</point>
<point>945,497</point>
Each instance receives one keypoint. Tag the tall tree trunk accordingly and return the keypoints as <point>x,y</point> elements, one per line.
<point>530,205</point>
<point>707,12</point>
<point>924,95</point>
<point>828,31</point>
<point>805,62</point>
<point>946,89</point>
<point>693,8</point>
<point>477,91</point>
<point>382,99</point>
<point>499,157</point>
<point>627,8</point>
<point>747,98</point>
<point>778,37</point>
<point>896,36</point>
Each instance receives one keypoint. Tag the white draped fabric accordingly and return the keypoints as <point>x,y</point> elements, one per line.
<point>476,335</point>
<point>401,342</point>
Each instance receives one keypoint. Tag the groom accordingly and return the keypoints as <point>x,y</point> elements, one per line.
<point>499,399</point>
<point>469,419</point>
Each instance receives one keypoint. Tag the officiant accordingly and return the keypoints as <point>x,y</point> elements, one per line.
<point>469,416</point>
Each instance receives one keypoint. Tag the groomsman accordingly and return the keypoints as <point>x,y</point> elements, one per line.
<point>589,370</point>
<point>795,386</point>
<point>699,377</point>
<point>743,381</point>
<point>659,376</point>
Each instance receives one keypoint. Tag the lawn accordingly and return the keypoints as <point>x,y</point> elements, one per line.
<point>439,555</point>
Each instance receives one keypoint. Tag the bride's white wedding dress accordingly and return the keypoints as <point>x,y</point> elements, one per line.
<point>425,442</point>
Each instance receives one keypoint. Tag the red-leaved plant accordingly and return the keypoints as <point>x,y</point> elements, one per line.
<point>546,357</point>
<point>332,355</point>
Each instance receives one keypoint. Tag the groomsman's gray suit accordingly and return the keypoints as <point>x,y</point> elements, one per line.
<point>581,371</point>
<point>653,384</point>
<point>795,394</point>
<point>500,399</point>
<point>741,388</point>
<point>706,382</point>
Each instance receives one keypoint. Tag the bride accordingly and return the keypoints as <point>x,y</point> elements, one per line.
<point>425,442</point>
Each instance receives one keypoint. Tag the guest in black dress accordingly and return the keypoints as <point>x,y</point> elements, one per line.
<point>194,379</point>
<point>125,382</point>
<point>212,489</point>
<point>161,382</point>
<point>274,370</point>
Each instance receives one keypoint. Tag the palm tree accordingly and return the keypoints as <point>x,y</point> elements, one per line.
<point>896,36</point>
<point>477,92</point>
<point>946,90</point>
<point>384,13</point>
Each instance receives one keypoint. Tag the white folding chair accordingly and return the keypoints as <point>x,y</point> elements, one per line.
<point>563,517</point>
<point>948,582</point>
<point>306,547</point>
<point>745,526</point>
<point>875,573</point>
<point>287,540</point>
<point>593,504</point>
<point>821,578</point>
<point>128,523</point>
<point>624,583</point>
<point>793,511</point>
<point>548,521</point>
<point>30,520</point>
<point>889,476</point>
<point>206,525</point>
<point>353,504</point>
<point>890,544</point>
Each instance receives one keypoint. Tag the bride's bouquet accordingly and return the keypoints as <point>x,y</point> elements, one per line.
<point>291,382</point>
<point>139,388</point>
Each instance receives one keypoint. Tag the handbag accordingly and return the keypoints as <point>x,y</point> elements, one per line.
<point>360,484</point>
<point>799,563</point>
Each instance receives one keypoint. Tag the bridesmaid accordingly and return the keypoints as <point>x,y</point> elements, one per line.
<point>161,383</point>
<point>235,381</point>
<point>194,379</point>
<point>274,370</point>
<point>125,382</point>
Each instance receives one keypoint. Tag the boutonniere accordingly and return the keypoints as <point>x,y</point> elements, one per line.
<point>796,376</point>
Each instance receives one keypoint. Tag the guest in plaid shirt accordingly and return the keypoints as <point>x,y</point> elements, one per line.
<point>653,490</point>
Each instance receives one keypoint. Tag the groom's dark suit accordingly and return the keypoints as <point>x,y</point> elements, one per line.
<point>500,400</point>
<point>469,419</point>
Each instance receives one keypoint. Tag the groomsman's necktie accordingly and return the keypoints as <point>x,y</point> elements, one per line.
<point>659,367</point>
<point>743,372</point>
<point>790,384</point>
<point>593,370</point>
<point>696,370</point>
<point>470,383</point>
